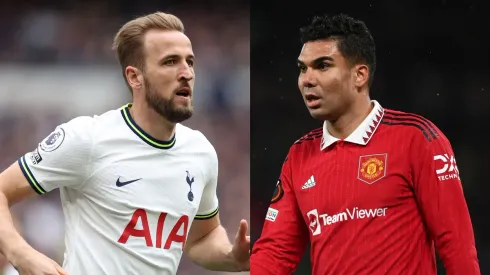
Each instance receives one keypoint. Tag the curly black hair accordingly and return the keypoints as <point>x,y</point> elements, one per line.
<point>354,39</point>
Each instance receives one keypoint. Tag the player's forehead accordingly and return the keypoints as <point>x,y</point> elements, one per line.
<point>314,50</point>
<point>160,43</point>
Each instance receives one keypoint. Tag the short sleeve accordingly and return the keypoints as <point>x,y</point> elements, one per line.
<point>62,158</point>
<point>208,207</point>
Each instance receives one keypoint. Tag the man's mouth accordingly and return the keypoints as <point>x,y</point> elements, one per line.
<point>311,97</point>
<point>312,101</point>
<point>185,92</point>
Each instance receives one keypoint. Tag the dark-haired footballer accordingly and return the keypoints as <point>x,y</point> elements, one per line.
<point>374,189</point>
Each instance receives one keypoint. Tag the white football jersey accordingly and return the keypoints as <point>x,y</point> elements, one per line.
<point>128,199</point>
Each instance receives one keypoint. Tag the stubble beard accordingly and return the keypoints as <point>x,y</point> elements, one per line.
<point>167,107</point>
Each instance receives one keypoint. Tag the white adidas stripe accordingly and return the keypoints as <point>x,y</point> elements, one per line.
<point>309,183</point>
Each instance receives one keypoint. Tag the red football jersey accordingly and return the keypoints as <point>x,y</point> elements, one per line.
<point>374,203</point>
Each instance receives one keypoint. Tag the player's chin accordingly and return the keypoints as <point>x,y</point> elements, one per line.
<point>318,113</point>
<point>179,114</point>
<point>188,108</point>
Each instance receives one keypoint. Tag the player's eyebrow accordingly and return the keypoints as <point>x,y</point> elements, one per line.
<point>176,56</point>
<point>317,60</point>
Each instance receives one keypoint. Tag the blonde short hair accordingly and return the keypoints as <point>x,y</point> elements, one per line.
<point>128,42</point>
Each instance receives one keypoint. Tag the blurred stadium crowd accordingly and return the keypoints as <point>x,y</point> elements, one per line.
<point>57,63</point>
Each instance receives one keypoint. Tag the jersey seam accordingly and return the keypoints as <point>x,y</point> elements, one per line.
<point>89,160</point>
<point>82,187</point>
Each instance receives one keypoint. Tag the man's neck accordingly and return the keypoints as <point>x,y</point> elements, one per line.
<point>345,125</point>
<point>151,122</point>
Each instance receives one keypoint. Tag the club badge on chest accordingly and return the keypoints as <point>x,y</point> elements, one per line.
<point>372,167</point>
<point>190,195</point>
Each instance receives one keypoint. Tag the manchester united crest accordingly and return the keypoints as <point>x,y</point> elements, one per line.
<point>372,168</point>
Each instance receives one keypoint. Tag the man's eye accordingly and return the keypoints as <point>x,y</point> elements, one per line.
<point>323,66</point>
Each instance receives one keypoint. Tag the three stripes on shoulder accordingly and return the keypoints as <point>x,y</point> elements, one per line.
<point>424,125</point>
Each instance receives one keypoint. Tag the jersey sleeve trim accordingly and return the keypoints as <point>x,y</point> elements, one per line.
<point>208,216</point>
<point>30,177</point>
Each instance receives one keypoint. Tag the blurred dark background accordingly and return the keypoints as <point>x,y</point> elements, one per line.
<point>56,63</point>
<point>433,59</point>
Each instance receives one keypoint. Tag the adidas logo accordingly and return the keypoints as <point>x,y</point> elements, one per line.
<point>309,183</point>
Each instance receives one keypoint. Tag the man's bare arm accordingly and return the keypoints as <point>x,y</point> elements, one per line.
<point>15,188</point>
<point>208,245</point>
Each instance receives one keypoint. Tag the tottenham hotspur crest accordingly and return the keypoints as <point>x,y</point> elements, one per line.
<point>190,180</point>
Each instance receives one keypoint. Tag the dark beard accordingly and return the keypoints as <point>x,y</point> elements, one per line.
<point>166,107</point>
